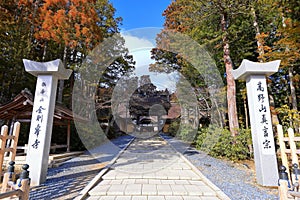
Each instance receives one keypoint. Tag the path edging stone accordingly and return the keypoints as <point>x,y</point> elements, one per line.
<point>219,192</point>
<point>84,193</point>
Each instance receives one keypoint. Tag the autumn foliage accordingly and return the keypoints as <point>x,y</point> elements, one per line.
<point>67,22</point>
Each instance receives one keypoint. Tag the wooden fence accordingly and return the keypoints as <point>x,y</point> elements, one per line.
<point>11,188</point>
<point>8,143</point>
<point>289,172</point>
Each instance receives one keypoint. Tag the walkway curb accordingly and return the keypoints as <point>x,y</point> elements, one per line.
<point>219,192</point>
<point>83,193</point>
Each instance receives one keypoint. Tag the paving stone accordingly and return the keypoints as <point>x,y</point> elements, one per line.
<point>110,175</point>
<point>141,181</point>
<point>121,175</point>
<point>207,190</point>
<point>139,198</point>
<point>182,182</point>
<point>99,190</point>
<point>128,181</point>
<point>93,198</point>
<point>193,190</point>
<point>149,189</point>
<point>156,198</point>
<point>149,176</point>
<point>105,182</point>
<point>179,190</point>
<point>184,175</point>
<point>191,198</point>
<point>118,181</point>
<point>173,198</point>
<point>117,189</point>
<point>135,176</point>
<point>185,166</point>
<point>108,198</point>
<point>164,190</point>
<point>157,175</point>
<point>173,175</point>
<point>133,189</point>
<point>154,181</point>
<point>168,182</point>
<point>123,198</point>
<point>160,175</point>
<point>198,182</point>
<point>210,198</point>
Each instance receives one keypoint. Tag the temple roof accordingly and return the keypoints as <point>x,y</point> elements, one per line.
<point>20,109</point>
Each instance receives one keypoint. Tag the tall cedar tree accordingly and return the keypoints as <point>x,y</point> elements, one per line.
<point>287,46</point>
<point>15,44</point>
<point>76,26</point>
<point>182,16</point>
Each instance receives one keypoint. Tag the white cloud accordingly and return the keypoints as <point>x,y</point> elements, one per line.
<point>143,60</point>
<point>132,42</point>
<point>140,42</point>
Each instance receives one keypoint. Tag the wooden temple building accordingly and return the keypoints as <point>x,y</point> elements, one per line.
<point>20,109</point>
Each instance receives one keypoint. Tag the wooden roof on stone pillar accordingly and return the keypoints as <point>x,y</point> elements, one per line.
<point>20,109</point>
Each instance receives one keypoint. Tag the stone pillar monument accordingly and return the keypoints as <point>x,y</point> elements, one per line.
<point>48,74</point>
<point>260,118</point>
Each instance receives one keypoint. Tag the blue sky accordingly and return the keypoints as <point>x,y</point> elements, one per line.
<point>142,21</point>
<point>140,13</point>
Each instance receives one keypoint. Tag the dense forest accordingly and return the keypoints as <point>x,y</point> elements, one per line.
<point>47,30</point>
<point>231,31</point>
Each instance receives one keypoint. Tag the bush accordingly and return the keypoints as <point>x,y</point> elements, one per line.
<point>174,127</point>
<point>288,117</point>
<point>219,142</point>
<point>182,131</point>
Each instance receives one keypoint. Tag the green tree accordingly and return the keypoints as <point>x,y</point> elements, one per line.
<point>47,30</point>
<point>14,45</point>
<point>285,46</point>
<point>217,25</point>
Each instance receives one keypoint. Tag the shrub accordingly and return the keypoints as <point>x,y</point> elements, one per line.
<point>288,117</point>
<point>219,142</point>
<point>174,127</point>
<point>182,131</point>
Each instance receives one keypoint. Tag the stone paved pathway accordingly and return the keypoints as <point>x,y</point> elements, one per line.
<point>150,169</point>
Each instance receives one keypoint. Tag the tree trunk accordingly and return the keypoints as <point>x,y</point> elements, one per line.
<point>260,47</point>
<point>44,51</point>
<point>61,82</point>
<point>293,90</point>
<point>231,90</point>
<point>246,113</point>
<point>34,14</point>
<point>291,76</point>
<point>261,53</point>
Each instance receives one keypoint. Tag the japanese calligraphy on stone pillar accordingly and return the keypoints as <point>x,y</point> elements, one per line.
<point>39,118</point>
<point>264,126</point>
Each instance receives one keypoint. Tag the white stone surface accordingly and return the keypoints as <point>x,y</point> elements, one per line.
<point>53,68</point>
<point>248,68</point>
<point>42,115</point>
<point>164,190</point>
<point>133,189</point>
<point>139,198</point>
<point>168,182</point>
<point>179,190</point>
<point>149,189</point>
<point>260,118</point>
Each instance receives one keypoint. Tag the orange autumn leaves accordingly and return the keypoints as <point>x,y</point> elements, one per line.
<point>67,22</point>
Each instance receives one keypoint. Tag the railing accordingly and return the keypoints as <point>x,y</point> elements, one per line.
<point>19,188</point>
<point>8,143</point>
<point>289,173</point>
<point>53,147</point>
